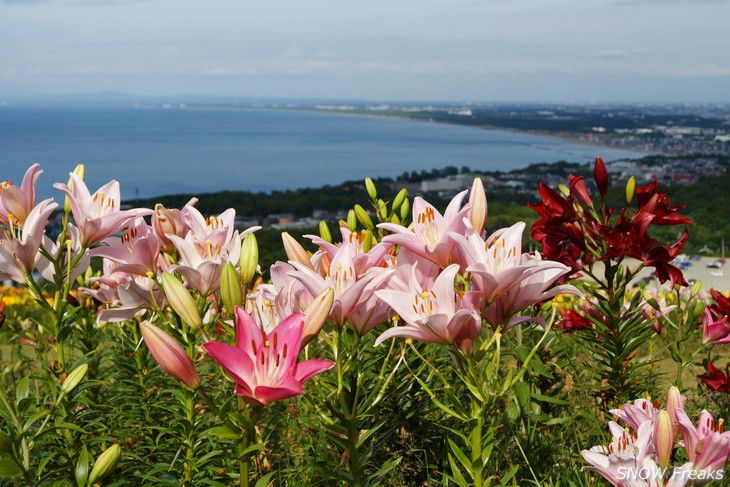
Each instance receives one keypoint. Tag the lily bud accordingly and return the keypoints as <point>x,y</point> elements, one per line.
<point>170,355</point>
<point>249,260</point>
<point>696,288</point>
<point>630,190</point>
<point>663,438</point>
<point>230,287</point>
<point>370,187</point>
<point>316,315</point>
<point>294,251</point>
<point>675,400</point>
<point>564,190</point>
<point>405,209</point>
<point>363,217</point>
<point>351,220</point>
<point>600,174</point>
<point>74,378</point>
<point>367,242</point>
<point>477,214</point>
<point>324,231</point>
<point>181,300</point>
<point>79,170</point>
<point>399,198</point>
<point>105,464</point>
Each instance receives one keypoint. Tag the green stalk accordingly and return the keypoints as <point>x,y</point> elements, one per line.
<point>476,443</point>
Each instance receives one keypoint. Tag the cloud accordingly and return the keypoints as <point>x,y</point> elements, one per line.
<point>219,71</point>
<point>293,51</point>
<point>618,53</point>
<point>706,70</point>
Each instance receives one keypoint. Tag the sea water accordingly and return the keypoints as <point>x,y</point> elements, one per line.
<point>156,151</point>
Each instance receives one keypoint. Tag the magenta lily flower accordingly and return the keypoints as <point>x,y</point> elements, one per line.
<point>435,315</point>
<point>431,235</point>
<point>97,216</point>
<point>16,202</point>
<point>714,331</point>
<point>264,366</point>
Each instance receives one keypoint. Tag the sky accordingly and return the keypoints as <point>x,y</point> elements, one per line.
<point>386,50</point>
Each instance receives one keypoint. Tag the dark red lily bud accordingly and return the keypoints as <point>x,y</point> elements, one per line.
<point>600,174</point>
<point>579,190</point>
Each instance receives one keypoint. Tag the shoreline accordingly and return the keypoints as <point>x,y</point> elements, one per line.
<point>568,138</point>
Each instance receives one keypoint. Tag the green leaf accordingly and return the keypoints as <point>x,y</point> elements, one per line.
<point>224,432</point>
<point>460,455</point>
<point>265,479</point>
<point>457,476</point>
<point>252,448</point>
<point>552,400</point>
<point>22,390</point>
<point>9,469</point>
<point>35,417</point>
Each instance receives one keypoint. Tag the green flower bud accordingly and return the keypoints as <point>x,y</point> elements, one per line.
<point>105,464</point>
<point>324,231</point>
<point>351,220</point>
<point>249,259</point>
<point>74,378</point>
<point>399,198</point>
<point>564,189</point>
<point>630,190</point>
<point>230,287</point>
<point>363,217</point>
<point>181,301</point>
<point>370,187</point>
<point>405,209</point>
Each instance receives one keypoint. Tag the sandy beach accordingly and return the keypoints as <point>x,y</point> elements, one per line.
<point>711,278</point>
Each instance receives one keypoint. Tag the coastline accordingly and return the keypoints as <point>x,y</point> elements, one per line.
<point>565,137</point>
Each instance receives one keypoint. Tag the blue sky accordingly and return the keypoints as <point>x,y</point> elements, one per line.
<point>486,50</point>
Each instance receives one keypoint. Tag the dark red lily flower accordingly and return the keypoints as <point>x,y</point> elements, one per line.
<point>715,379</point>
<point>567,226</point>
<point>660,256</point>
<point>572,320</point>
<point>722,305</point>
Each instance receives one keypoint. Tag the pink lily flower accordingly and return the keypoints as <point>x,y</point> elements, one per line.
<point>137,251</point>
<point>79,257</point>
<point>170,221</point>
<point>136,295</point>
<point>629,460</point>
<point>16,203</point>
<point>435,315</point>
<point>19,247</point>
<point>431,237</point>
<point>641,411</point>
<point>714,331</point>
<point>97,216</point>
<point>361,260</point>
<point>263,365</point>
<point>707,445</point>
<point>208,245</point>
<point>352,292</point>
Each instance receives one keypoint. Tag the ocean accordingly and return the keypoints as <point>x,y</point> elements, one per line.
<point>156,151</point>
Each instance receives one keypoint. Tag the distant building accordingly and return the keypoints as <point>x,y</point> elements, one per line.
<point>449,183</point>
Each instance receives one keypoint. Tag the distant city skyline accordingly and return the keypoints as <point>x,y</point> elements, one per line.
<point>479,50</point>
